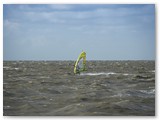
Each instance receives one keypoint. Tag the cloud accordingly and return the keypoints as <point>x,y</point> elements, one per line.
<point>31,30</point>
<point>61,6</point>
<point>10,25</point>
<point>75,14</point>
<point>98,18</point>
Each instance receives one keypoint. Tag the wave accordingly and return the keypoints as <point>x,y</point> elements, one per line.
<point>152,91</point>
<point>105,73</point>
<point>10,68</point>
<point>96,74</point>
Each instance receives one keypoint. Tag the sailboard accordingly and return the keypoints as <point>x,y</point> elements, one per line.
<point>80,64</point>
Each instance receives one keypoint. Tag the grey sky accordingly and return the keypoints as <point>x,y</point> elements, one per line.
<point>61,32</point>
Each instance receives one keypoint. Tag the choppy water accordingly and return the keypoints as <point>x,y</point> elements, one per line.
<point>107,88</point>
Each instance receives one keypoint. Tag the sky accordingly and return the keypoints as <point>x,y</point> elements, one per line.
<point>62,31</point>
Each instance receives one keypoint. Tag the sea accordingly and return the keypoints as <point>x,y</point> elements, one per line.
<point>107,88</point>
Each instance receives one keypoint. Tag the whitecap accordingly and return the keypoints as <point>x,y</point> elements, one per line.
<point>126,74</point>
<point>6,67</point>
<point>97,74</point>
<point>152,91</point>
<point>16,68</point>
<point>9,68</point>
<point>118,95</point>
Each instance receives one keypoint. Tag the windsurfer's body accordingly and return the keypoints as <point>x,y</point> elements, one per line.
<point>78,69</point>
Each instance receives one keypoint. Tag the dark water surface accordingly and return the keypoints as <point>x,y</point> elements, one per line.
<point>107,88</point>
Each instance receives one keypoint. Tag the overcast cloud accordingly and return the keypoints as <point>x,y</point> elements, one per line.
<point>61,32</point>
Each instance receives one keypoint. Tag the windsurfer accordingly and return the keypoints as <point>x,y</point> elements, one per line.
<point>80,64</point>
<point>78,68</point>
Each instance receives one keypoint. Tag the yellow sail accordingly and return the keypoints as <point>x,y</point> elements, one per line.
<point>81,59</point>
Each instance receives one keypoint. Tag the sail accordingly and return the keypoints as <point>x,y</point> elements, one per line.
<point>80,64</point>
